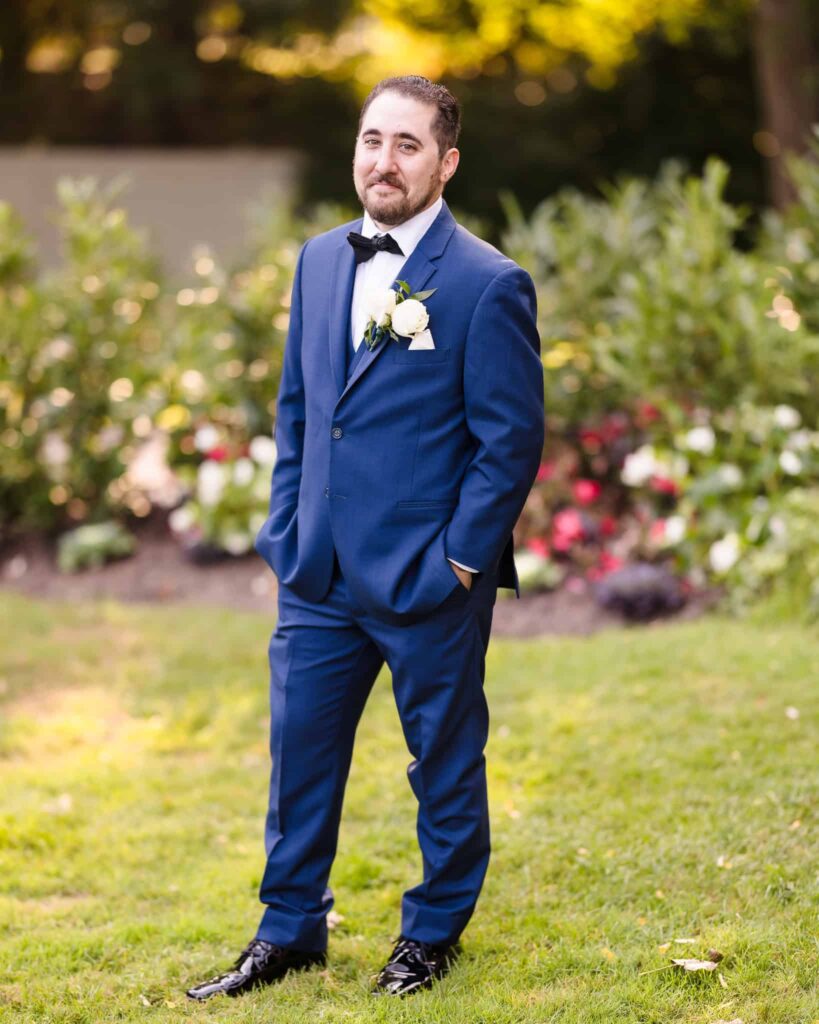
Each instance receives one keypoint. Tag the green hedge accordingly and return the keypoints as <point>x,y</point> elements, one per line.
<point>657,327</point>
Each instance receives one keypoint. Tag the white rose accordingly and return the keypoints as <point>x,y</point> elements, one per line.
<point>786,417</point>
<point>205,438</point>
<point>409,318</point>
<point>800,440</point>
<point>674,529</point>
<point>263,450</point>
<point>724,553</point>
<point>729,475</point>
<point>182,518</point>
<point>210,482</point>
<point>243,472</point>
<point>379,304</point>
<point>236,543</point>
<point>700,439</point>
<point>639,466</point>
<point>790,462</point>
<point>54,450</point>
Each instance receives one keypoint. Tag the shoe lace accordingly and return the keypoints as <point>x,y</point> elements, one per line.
<point>256,949</point>
<point>411,951</point>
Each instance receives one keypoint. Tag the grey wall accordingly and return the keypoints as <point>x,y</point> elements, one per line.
<point>183,197</point>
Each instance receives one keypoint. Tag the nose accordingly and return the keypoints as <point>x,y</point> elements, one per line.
<point>386,160</point>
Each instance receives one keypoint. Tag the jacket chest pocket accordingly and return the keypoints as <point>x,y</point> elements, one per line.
<point>421,356</point>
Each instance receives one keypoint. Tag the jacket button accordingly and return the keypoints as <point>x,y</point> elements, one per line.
<point>326,491</point>
<point>337,432</point>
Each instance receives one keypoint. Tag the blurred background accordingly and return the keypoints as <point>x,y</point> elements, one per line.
<point>653,164</point>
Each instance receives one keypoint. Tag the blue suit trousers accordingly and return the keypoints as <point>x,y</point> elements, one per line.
<point>324,658</point>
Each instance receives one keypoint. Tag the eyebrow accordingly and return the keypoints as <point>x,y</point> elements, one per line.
<point>400,135</point>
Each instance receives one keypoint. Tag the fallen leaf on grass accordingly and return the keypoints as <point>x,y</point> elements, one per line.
<point>608,954</point>
<point>144,1000</point>
<point>690,964</point>
<point>694,965</point>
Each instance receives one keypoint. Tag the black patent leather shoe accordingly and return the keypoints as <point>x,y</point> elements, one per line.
<point>259,963</point>
<point>414,965</point>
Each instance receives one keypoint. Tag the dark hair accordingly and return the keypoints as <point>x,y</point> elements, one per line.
<point>447,122</point>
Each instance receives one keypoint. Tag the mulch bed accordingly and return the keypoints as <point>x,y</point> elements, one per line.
<point>160,572</point>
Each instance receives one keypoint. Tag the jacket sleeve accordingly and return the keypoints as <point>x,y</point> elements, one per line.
<point>290,408</point>
<point>504,405</point>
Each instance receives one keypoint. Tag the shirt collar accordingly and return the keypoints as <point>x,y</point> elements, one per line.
<point>410,232</point>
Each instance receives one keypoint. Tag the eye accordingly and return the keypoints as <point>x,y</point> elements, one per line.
<point>409,146</point>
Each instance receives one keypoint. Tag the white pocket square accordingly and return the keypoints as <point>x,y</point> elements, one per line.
<point>422,340</point>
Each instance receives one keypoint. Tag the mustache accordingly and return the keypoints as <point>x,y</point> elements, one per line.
<point>386,181</point>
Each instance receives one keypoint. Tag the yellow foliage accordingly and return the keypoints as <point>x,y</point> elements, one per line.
<point>433,37</point>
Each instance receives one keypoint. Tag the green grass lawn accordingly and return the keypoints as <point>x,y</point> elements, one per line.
<point>648,786</point>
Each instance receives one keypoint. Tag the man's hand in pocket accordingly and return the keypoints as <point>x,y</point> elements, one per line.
<point>463,575</point>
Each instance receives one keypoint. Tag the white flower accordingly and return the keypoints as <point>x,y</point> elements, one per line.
<point>675,529</point>
<point>263,450</point>
<point>790,462</point>
<point>700,439</point>
<point>236,543</point>
<point>729,475</point>
<point>724,553</point>
<point>409,318</point>
<point>786,417</point>
<point>639,466</point>
<point>801,440</point>
<point>182,518</point>
<point>206,437</point>
<point>778,527</point>
<point>54,450</point>
<point>379,304</point>
<point>210,482</point>
<point>243,472</point>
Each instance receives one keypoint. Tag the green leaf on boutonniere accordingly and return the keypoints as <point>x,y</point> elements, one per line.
<point>420,296</point>
<point>403,286</point>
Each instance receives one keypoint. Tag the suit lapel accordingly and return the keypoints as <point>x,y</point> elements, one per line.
<point>416,271</point>
<point>342,279</point>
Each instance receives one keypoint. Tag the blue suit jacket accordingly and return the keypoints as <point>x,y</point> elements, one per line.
<point>421,454</point>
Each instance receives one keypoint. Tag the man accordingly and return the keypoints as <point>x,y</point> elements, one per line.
<point>400,474</point>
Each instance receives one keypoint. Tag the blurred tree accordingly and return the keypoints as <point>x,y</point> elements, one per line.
<point>787,82</point>
<point>557,91</point>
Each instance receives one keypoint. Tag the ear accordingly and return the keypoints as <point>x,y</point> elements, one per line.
<point>449,164</point>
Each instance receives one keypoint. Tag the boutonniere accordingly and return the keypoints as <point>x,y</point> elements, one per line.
<point>395,312</point>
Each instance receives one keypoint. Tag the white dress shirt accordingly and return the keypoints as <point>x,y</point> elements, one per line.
<point>381,270</point>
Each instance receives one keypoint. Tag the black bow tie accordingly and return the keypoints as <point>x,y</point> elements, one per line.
<point>365,248</point>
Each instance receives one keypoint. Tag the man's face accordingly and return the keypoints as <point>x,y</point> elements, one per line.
<point>397,169</point>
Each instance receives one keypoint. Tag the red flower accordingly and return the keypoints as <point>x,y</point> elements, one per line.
<point>663,485</point>
<point>546,471</point>
<point>614,426</point>
<point>591,440</point>
<point>608,526</point>
<point>586,491</point>
<point>539,545</point>
<point>610,562</point>
<point>657,530</point>
<point>567,527</point>
<point>647,412</point>
<point>218,454</point>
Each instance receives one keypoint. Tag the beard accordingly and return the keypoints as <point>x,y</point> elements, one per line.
<point>396,207</point>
